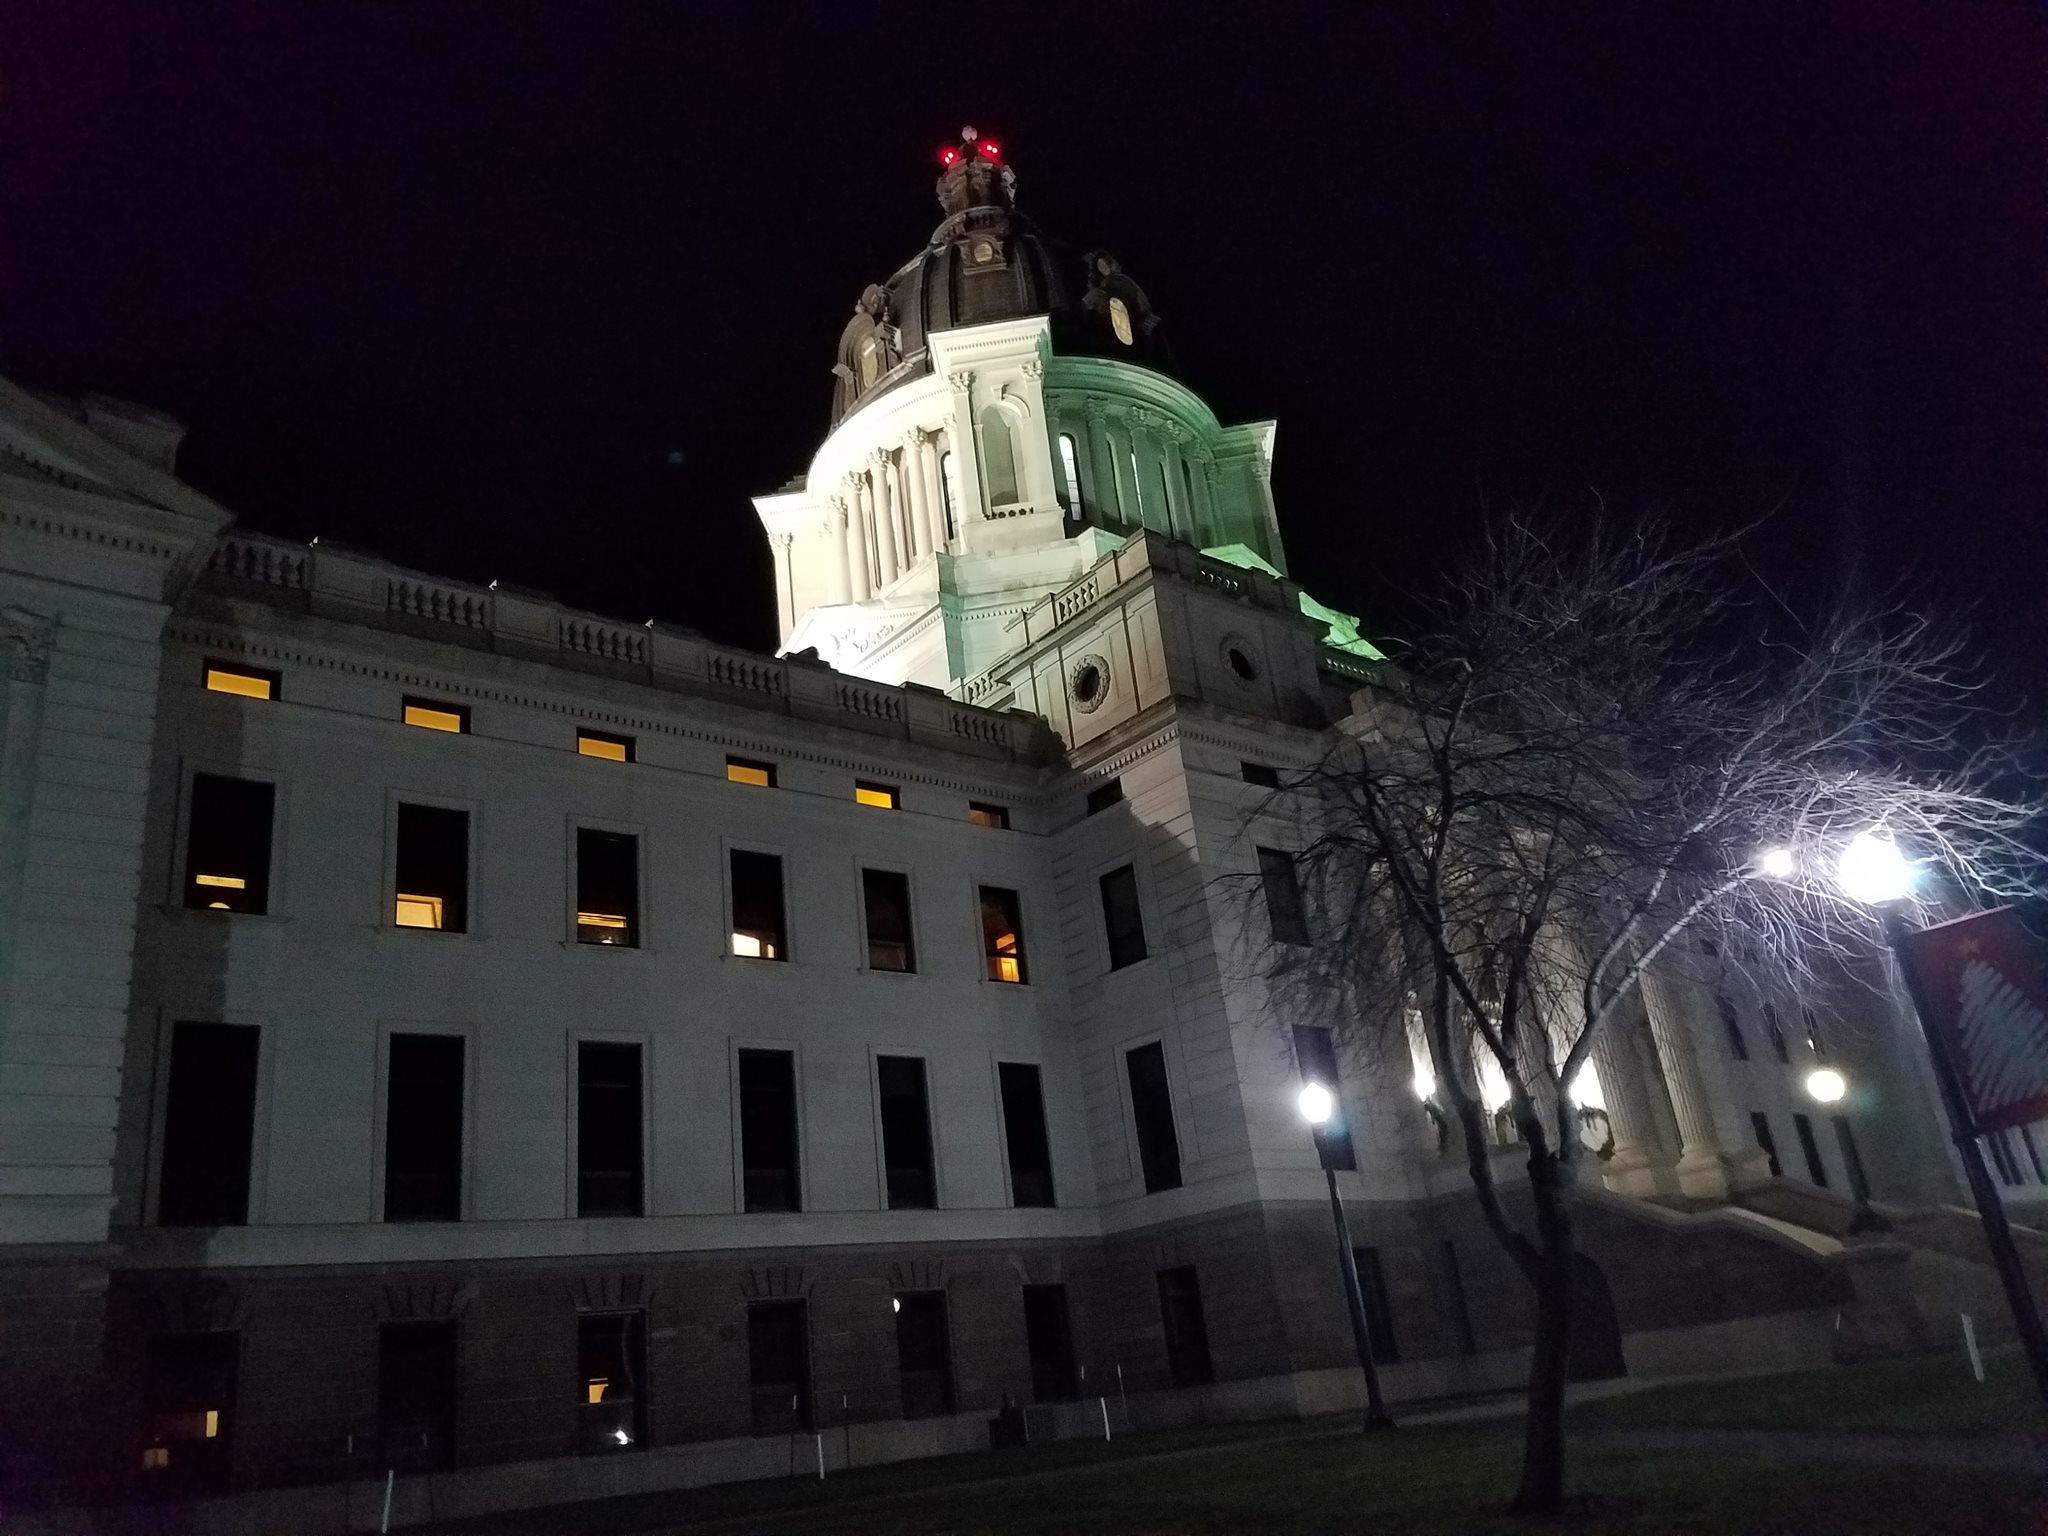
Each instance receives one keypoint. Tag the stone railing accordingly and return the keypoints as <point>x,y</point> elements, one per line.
<point>339,583</point>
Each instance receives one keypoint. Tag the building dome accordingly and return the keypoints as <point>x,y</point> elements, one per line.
<point>987,262</point>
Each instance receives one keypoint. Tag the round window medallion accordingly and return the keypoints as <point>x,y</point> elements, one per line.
<point>1088,683</point>
<point>1238,657</point>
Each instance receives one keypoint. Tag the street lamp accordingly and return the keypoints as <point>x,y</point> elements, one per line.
<point>1824,1085</point>
<point>1874,872</point>
<point>1317,1105</point>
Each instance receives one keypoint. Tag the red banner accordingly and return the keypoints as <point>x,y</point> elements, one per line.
<point>1981,982</point>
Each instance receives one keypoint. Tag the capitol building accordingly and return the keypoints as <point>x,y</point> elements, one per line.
<point>531,1056</point>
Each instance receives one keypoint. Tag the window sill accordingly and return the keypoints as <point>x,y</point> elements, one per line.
<point>435,935</point>
<point>1009,986</point>
<point>217,914</point>
<point>616,949</point>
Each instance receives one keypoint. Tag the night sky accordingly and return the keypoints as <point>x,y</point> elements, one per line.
<point>544,293</point>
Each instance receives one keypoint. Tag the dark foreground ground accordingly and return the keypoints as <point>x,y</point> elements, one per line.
<point>1904,1447</point>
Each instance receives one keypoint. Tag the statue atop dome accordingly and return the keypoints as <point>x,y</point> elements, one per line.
<point>972,175</point>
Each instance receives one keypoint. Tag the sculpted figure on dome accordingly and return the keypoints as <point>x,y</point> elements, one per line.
<point>1114,299</point>
<point>868,347</point>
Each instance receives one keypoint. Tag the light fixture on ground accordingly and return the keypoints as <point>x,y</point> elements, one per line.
<point>1824,1085</point>
<point>1317,1105</point>
<point>1874,872</point>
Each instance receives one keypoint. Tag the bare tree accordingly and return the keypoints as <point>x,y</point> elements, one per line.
<point>1589,751</point>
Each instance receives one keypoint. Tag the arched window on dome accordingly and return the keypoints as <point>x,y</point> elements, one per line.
<point>998,458</point>
<point>1070,474</point>
<point>949,494</point>
<point>1120,320</point>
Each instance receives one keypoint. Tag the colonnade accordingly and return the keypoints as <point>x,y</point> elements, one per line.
<point>885,517</point>
<point>1139,468</point>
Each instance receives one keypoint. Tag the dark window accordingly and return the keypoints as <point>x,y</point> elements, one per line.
<point>227,846</point>
<point>209,1124</point>
<point>768,1141</point>
<point>607,887</point>
<point>1379,1309</point>
<point>1152,1111</point>
<point>779,1367</point>
<point>423,1129</point>
<point>744,770</point>
<point>1121,918</point>
<point>1284,908</point>
<point>611,1376</point>
<point>885,899</point>
<point>997,816</point>
<point>1760,1123</point>
<point>432,868</point>
<point>906,1133</point>
<point>1815,1041</point>
<point>1777,1033</point>
<point>1103,796</point>
<point>188,1414</point>
<point>416,1396</point>
<point>249,682</point>
<point>757,923</point>
<point>608,1174</point>
<point>616,749</point>
<point>1002,934</point>
<point>1852,1158</point>
<point>1317,1056</point>
<point>1816,1170</point>
<point>1733,1022</point>
<point>1453,1293</point>
<point>924,1358</point>
<point>1262,774</point>
<point>431,715</point>
<point>1187,1335</point>
<point>1024,1132</point>
<point>1049,1333</point>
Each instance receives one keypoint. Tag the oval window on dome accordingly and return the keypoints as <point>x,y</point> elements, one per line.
<point>1120,320</point>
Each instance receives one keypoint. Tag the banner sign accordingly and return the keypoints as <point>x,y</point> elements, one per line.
<point>1981,982</point>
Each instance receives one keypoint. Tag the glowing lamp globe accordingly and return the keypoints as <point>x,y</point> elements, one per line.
<point>1777,863</point>
<point>1826,1086</point>
<point>1873,871</point>
<point>1316,1104</point>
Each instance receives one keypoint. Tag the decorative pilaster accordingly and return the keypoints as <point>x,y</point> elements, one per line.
<point>967,492</point>
<point>1207,528</point>
<point>839,567</point>
<point>24,667</point>
<point>785,596</point>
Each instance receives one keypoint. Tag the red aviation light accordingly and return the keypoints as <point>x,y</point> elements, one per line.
<point>949,157</point>
<point>991,150</point>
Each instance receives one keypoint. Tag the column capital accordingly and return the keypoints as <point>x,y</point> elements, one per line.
<point>1095,410</point>
<point>1263,468</point>
<point>1034,367</point>
<point>917,437</point>
<point>961,381</point>
<point>878,460</point>
<point>838,509</point>
<point>784,540</point>
<point>25,644</point>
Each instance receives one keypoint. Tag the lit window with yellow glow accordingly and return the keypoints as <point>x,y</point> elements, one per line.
<point>981,815</point>
<point>437,717</point>
<point>881,795</point>
<point>1002,934</point>
<point>757,909</point>
<point>418,911</point>
<point>248,682</point>
<point>744,770</point>
<point>616,749</point>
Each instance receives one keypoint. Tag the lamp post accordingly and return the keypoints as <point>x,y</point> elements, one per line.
<point>1873,871</point>
<point>1827,1087</point>
<point>1317,1105</point>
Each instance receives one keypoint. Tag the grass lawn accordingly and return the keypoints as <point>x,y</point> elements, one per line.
<point>1321,1478</point>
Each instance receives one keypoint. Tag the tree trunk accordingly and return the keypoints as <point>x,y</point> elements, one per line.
<point>1542,1490</point>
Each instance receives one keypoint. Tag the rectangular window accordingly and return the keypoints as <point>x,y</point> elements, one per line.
<point>1732,1022</point>
<point>209,1126</point>
<point>1262,774</point>
<point>608,1141</point>
<point>432,869</point>
<point>1284,908</point>
<point>924,1356</point>
<point>779,1367</point>
<point>1379,1309</point>
<point>1760,1124</point>
<point>1777,1033</point>
<point>607,888</point>
<point>227,844</point>
<point>997,816</point>
<point>249,682</point>
<point>744,770</point>
<point>1070,475</point>
<point>611,1373</point>
<point>1187,1334</point>
<point>885,904</point>
<point>757,923</point>
<point>1122,920</point>
<point>906,1133</point>
<point>1152,1113</point>
<point>431,716</point>
<point>416,1378</point>
<point>1049,1335</point>
<point>882,796</point>
<point>1452,1290</point>
<point>1002,934</point>
<point>1316,1053</point>
<point>423,1129</point>
<point>188,1414</point>
<point>615,749</point>
<point>768,1139</point>
<point>1103,796</point>
<point>1816,1170</point>
<point>1024,1133</point>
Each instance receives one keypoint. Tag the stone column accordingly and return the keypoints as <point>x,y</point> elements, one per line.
<point>917,491</point>
<point>1631,1170</point>
<point>1122,457</point>
<point>858,535</point>
<point>967,493</point>
<point>1180,516</point>
<point>1702,1168</point>
<point>1158,511</point>
<point>785,597</point>
<point>1268,525</point>
<point>1098,466</point>
<point>839,564</point>
<point>1204,478</point>
<point>927,446</point>
<point>879,487</point>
